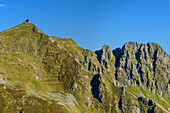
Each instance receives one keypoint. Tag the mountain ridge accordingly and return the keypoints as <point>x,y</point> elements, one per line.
<point>134,78</point>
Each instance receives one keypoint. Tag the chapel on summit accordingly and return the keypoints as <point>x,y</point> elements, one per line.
<point>27,20</point>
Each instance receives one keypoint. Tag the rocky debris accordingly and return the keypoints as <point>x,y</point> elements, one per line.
<point>136,109</point>
<point>123,91</point>
<point>2,80</point>
<point>88,61</point>
<point>35,29</point>
<point>74,86</point>
<point>146,101</point>
<point>143,100</point>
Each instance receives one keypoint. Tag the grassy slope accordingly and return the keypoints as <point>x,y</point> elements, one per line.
<point>42,70</point>
<point>33,73</point>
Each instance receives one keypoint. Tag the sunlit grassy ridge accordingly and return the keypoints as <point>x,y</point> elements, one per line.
<point>31,61</point>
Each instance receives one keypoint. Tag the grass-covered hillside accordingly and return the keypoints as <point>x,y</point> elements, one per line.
<point>48,74</point>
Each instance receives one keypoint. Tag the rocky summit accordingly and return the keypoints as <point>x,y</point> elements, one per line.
<point>48,74</point>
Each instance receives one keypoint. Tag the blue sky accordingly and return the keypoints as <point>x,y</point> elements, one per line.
<point>93,23</point>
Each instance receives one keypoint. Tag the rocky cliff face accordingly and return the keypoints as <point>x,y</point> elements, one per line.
<point>144,64</point>
<point>41,73</point>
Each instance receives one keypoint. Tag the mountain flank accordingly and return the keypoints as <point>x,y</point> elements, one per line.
<point>41,73</point>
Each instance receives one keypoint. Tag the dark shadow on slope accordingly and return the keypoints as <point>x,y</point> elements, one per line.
<point>120,104</point>
<point>151,110</point>
<point>99,55</point>
<point>95,82</point>
<point>118,54</point>
<point>154,61</point>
